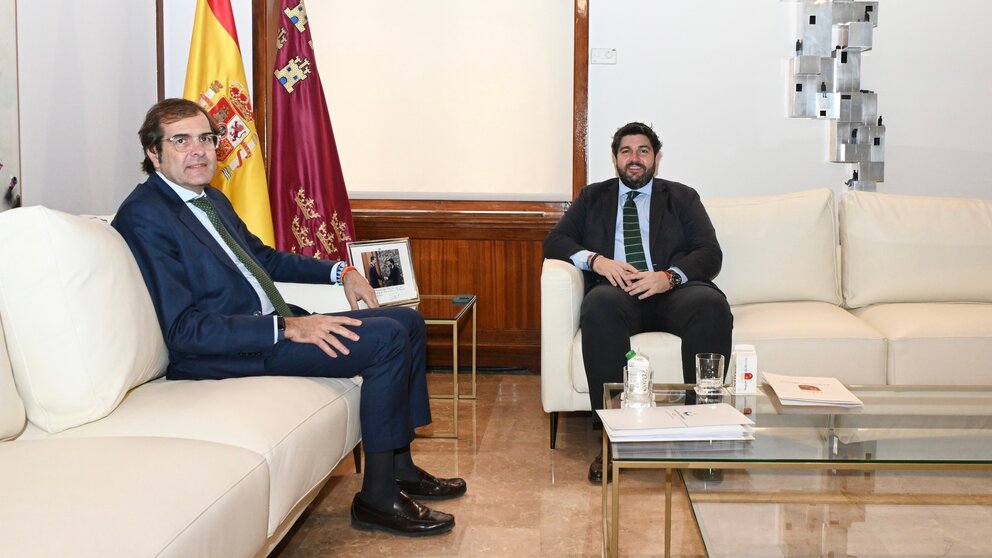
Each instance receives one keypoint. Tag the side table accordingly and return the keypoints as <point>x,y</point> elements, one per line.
<point>442,310</point>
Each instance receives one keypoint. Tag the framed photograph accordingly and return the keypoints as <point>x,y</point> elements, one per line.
<point>388,266</point>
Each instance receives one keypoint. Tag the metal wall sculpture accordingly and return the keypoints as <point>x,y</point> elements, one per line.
<point>825,83</point>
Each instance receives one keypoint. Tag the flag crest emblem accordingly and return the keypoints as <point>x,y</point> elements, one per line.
<point>233,111</point>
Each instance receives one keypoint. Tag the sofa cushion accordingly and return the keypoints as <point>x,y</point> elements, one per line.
<point>935,343</point>
<point>302,426</point>
<point>812,339</point>
<point>777,248</point>
<point>79,324</point>
<point>11,407</point>
<point>131,497</point>
<point>915,249</point>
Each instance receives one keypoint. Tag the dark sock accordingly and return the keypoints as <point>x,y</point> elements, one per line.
<point>403,466</point>
<point>379,488</point>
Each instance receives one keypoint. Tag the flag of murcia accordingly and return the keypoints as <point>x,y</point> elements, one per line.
<point>310,208</point>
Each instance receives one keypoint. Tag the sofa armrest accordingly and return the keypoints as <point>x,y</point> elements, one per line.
<point>562,289</point>
<point>318,298</point>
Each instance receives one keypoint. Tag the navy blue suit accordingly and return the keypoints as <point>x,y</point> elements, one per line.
<point>214,328</point>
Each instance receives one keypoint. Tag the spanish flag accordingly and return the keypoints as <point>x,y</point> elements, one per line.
<point>215,78</point>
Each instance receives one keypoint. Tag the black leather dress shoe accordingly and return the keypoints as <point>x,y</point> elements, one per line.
<point>429,487</point>
<point>596,470</point>
<point>407,518</point>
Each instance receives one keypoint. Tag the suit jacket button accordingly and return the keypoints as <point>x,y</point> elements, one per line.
<point>258,313</point>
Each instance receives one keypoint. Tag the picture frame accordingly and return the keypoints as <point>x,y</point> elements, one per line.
<point>388,266</point>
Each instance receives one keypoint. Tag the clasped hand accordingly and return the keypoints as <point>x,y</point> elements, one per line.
<point>641,284</point>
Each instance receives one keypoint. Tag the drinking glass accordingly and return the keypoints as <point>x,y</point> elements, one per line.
<point>709,373</point>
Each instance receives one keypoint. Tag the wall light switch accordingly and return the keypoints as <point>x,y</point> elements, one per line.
<point>602,56</point>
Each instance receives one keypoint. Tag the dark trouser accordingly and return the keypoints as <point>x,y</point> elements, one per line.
<point>697,313</point>
<point>390,356</point>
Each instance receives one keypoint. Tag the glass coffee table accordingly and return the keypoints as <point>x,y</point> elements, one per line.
<point>899,428</point>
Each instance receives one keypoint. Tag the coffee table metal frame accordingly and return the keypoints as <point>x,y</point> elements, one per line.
<point>611,514</point>
<point>453,320</point>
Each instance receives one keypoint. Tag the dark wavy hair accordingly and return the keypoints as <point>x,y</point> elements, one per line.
<point>636,129</point>
<point>166,111</point>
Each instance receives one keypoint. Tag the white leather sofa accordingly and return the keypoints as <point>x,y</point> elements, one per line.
<point>888,290</point>
<point>100,455</point>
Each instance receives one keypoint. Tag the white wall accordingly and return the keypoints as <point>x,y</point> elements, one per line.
<point>178,29</point>
<point>711,76</point>
<point>86,77</point>
<point>449,99</point>
<point>87,73</point>
<point>9,149</point>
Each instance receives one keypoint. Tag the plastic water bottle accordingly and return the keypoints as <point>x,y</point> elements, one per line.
<point>638,381</point>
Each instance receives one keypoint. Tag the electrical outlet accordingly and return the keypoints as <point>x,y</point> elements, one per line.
<point>603,56</point>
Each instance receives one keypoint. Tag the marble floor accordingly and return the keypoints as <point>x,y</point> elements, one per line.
<point>525,499</point>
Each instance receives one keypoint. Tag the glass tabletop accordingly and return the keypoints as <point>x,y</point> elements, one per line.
<point>446,308</point>
<point>898,424</point>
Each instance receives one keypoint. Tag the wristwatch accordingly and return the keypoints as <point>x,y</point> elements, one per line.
<point>280,328</point>
<point>674,279</point>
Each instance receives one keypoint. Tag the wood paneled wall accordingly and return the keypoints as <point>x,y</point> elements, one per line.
<point>490,249</point>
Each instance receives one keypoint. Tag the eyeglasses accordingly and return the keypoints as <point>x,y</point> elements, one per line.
<point>185,142</point>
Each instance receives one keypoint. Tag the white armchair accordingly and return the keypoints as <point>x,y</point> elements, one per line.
<point>563,375</point>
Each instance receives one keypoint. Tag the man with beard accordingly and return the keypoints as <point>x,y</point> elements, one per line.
<point>649,253</point>
<point>394,275</point>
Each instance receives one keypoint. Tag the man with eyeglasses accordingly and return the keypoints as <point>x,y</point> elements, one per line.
<point>649,253</point>
<point>211,281</point>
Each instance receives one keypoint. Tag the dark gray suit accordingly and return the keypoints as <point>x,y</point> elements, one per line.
<point>682,236</point>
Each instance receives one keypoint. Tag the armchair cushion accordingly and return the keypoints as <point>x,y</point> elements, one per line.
<point>563,379</point>
<point>664,350</point>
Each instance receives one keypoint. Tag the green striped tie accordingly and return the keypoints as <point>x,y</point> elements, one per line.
<point>249,262</point>
<point>632,245</point>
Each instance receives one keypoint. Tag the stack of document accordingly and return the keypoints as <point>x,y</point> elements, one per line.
<point>800,390</point>
<point>718,421</point>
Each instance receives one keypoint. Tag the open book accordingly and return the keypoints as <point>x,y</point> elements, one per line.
<point>718,421</point>
<point>800,390</point>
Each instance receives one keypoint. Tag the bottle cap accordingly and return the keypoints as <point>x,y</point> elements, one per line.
<point>743,347</point>
<point>631,354</point>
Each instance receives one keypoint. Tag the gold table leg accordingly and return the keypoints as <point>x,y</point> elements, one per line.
<point>453,433</point>
<point>668,513</point>
<point>615,539</point>
<point>605,519</point>
<point>472,397</point>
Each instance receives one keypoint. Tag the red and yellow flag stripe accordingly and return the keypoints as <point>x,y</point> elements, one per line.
<point>215,78</point>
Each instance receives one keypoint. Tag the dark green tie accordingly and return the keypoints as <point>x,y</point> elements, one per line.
<point>249,262</point>
<point>632,246</point>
